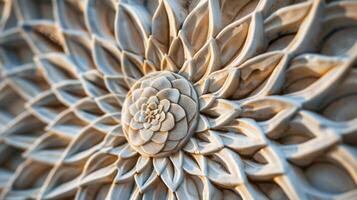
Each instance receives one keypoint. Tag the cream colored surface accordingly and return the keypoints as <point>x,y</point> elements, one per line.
<point>170,99</point>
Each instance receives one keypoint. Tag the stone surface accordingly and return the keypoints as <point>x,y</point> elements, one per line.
<point>173,99</point>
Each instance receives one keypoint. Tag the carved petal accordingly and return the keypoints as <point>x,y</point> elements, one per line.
<point>169,93</point>
<point>329,70</point>
<point>146,134</point>
<point>272,113</point>
<point>172,174</point>
<point>146,178</point>
<point>161,83</point>
<point>160,137</point>
<point>231,39</point>
<point>169,123</point>
<point>152,148</point>
<point>161,26</point>
<point>177,111</point>
<point>134,138</point>
<point>179,131</point>
<point>148,92</point>
<point>189,106</point>
<point>227,170</point>
<point>182,86</point>
<point>196,26</point>
<point>137,20</point>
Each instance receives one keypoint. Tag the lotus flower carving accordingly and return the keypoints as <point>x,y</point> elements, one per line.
<point>178,99</point>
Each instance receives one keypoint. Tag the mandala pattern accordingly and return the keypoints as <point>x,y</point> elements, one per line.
<point>178,99</point>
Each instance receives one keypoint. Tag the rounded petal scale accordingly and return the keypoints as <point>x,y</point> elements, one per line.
<point>177,111</point>
<point>179,131</point>
<point>136,125</point>
<point>148,92</point>
<point>170,94</point>
<point>146,134</point>
<point>160,137</point>
<point>168,123</point>
<point>161,83</point>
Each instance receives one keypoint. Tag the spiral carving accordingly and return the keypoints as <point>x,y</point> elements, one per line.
<point>160,113</point>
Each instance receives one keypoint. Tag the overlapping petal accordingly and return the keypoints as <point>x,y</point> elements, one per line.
<point>157,123</point>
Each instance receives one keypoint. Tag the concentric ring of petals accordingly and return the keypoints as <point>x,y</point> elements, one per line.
<point>158,114</point>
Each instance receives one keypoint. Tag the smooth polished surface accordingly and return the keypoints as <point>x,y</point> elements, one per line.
<point>178,99</point>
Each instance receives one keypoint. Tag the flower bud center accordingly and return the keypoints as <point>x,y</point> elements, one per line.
<point>160,113</point>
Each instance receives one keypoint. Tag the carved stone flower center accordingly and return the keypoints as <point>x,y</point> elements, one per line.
<point>153,112</point>
<point>160,113</point>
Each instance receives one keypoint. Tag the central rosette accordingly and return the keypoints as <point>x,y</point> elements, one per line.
<point>160,113</point>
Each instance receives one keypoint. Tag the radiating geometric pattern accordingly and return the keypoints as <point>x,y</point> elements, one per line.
<point>178,99</point>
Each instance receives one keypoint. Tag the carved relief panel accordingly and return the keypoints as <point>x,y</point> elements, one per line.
<point>178,99</point>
